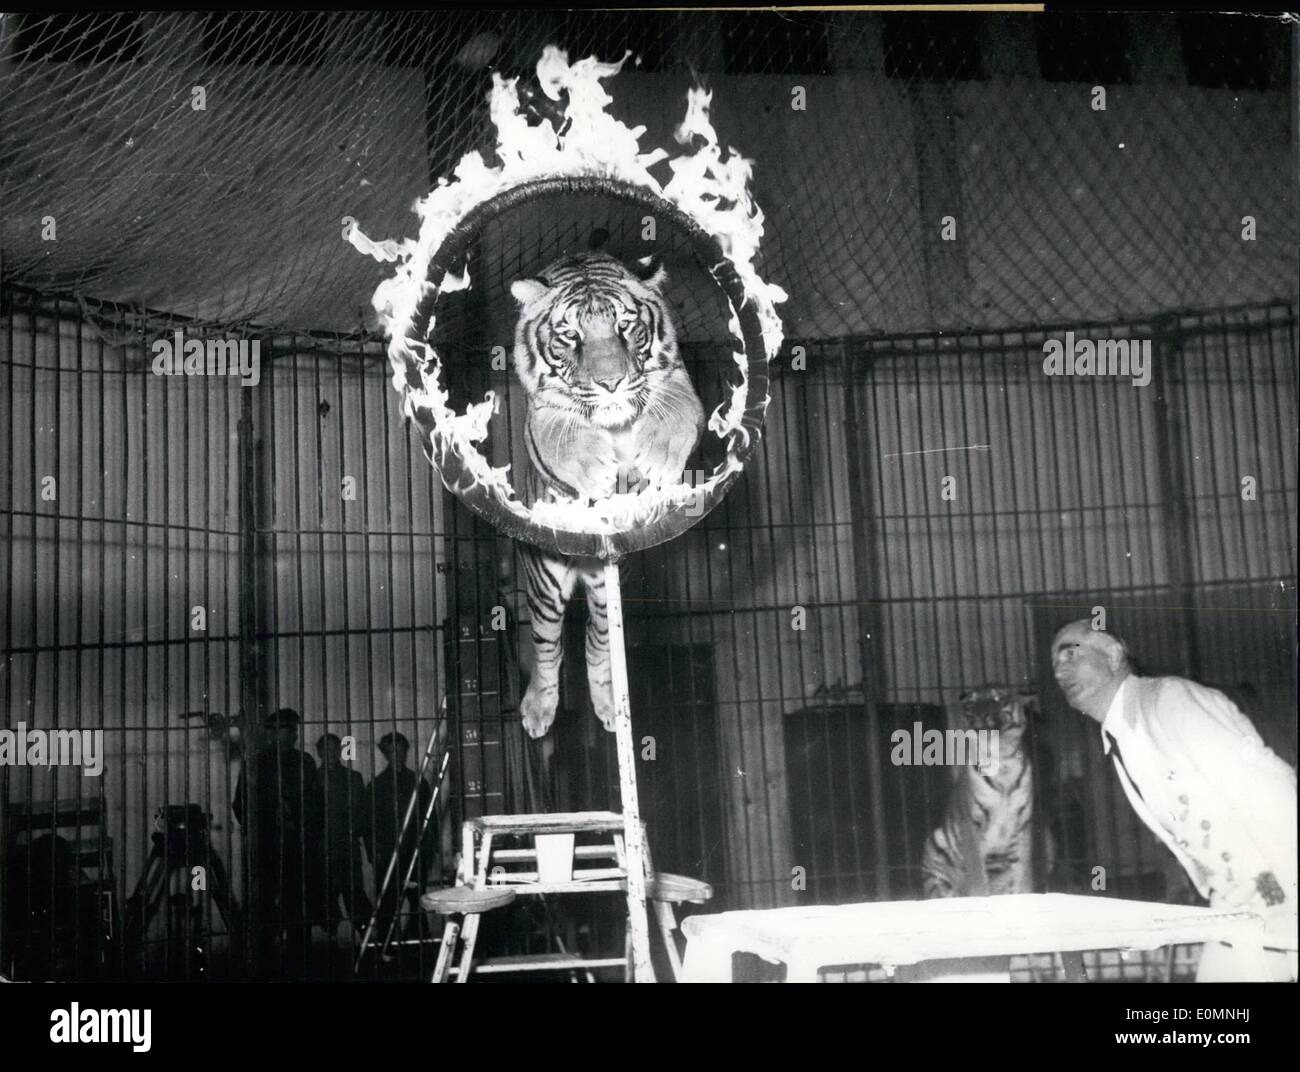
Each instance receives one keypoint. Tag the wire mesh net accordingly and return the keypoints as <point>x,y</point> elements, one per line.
<point>203,164</point>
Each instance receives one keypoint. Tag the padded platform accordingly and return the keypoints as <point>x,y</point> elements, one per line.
<point>450,900</point>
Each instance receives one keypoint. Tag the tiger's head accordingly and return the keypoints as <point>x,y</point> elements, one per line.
<point>999,707</point>
<point>594,338</point>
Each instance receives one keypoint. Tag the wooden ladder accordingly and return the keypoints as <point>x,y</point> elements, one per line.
<point>550,861</point>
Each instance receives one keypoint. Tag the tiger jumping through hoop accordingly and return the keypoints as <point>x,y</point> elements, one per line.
<point>610,409</point>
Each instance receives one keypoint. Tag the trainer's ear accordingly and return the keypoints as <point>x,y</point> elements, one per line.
<point>1113,648</point>
<point>651,271</point>
<point>526,290</point>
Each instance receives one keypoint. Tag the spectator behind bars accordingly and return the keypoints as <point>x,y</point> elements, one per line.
<point>1199,775</point>
<point>390,795</point>
<point>286,811</point>
<point>344,823</point>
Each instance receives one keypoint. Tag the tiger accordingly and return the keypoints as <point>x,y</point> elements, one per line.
<point>986,845</point>
<point>610,408</point>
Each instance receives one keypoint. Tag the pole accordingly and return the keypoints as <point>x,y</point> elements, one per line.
<point>256,918</point>
<point>865,532</point>
<point>633,833</point>
<point>1175,510</point>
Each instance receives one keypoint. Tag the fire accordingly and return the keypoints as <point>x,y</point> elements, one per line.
<point>708,184</point>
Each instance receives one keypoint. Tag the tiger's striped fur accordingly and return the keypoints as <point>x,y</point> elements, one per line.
<point>610,408</point>
<point>986,843</point>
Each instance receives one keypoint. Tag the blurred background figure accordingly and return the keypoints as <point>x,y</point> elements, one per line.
<point>343,819</point>
<point>286,812</point>
<point>390,794</point>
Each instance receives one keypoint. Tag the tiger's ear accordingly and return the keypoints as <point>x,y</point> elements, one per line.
<point>526,290</point>
<point>651,271</point>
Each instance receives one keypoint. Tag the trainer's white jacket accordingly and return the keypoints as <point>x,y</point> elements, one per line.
<point>1198,774</point>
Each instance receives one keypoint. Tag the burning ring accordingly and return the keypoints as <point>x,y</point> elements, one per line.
<point>637,520</point>
<point>589,153</point>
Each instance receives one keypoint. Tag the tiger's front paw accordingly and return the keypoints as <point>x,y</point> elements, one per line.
<point>602,699</point>
<point>538,710</point>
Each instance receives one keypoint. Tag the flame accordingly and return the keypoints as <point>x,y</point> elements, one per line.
<point>709,184</point>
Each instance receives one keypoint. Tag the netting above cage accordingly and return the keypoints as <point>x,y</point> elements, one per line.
<point>918,171</point>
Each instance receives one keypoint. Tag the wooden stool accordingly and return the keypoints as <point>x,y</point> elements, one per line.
<point>470,904</point>
<point>664,890</point>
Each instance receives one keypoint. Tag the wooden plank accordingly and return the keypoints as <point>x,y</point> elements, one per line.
<point>581,876</point>
<point>540,889</point>
<point>450,933</point>
<point>560,822</point>
<point>580,852</point>
<point>633,832</point>
<point>466,868</point>
<point>467,951</point>
<point>667,925</point>
<point>543,962</point>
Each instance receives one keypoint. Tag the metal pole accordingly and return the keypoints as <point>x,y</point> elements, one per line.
<point>256,916</point>
<point>865,536</point>
<point>633,834</point>
<point>1170,404</point>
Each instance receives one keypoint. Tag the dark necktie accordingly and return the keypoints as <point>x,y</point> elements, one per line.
<point>1119,755</point>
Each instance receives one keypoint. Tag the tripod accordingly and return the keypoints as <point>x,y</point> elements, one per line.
<point>180,848</point>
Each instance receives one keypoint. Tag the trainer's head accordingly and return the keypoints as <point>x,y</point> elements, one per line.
<point>1089,665</point>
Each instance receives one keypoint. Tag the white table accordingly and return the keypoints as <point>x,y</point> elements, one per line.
<point>970,929</point>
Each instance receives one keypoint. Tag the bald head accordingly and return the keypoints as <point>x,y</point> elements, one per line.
<point>1089,665</point>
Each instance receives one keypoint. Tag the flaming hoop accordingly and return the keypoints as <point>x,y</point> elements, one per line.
<point>708,200</point>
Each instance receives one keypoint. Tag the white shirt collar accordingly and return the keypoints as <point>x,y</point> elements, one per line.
<point>1113,725</point>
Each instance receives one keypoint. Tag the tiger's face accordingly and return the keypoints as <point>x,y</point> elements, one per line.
<point>594,338</point>
<point>998,707</point>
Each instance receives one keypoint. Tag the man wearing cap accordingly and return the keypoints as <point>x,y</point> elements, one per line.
<point>286,811</point>
<point>1199,775</point>
<point>390,795</point>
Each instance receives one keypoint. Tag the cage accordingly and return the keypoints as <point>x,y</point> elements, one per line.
<point>947,197</point>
